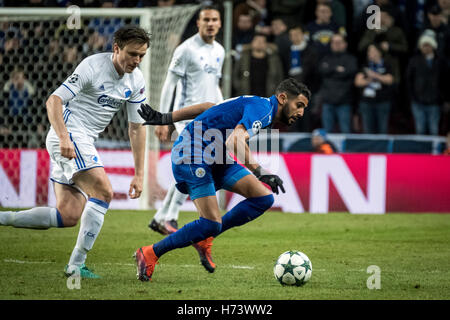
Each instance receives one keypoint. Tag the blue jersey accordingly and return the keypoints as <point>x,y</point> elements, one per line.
<point>203,137</point>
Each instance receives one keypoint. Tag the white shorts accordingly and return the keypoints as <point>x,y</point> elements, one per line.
<point>64,169</point>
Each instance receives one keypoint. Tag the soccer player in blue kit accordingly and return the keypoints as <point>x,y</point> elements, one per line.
<point>201,165</point>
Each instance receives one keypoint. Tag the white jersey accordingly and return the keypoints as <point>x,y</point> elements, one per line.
<point>199,64</point>
<point>95,92</point>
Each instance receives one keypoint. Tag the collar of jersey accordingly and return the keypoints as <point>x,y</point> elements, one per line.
<point>201,41</point>
<point>116,74</point>
<point>274,102</point>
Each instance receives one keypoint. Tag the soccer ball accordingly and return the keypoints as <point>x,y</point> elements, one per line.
<point>292,268</point>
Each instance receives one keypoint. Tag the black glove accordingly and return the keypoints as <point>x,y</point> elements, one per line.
<point>153,117</point>
<point>272,180</point>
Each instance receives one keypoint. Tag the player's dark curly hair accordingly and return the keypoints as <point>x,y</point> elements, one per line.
<point>131,34</point>
<point>293,88</point>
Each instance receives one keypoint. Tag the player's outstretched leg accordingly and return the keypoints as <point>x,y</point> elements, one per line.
<point>258,200</point>
<point>69,205</point>
<point>246,211</point>
<point>35,218</point>
<point>193,232</point>
<point>157,224</point>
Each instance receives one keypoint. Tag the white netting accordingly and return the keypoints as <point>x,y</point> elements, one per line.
<point>38,50</point>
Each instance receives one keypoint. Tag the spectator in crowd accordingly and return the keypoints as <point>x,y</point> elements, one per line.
<point>359,9</point>
<point>11,41</point>
<point>322,29</point>
<point>104,28</point>
<point>17,117</point>
<point>303,58</point>
<point>445,6</point>
<point>165,3</point>
<point>70,54</point>
<point>303,62</point>
<point>447,145</point>
<point>337,71</point>
<point>426,85</point>
<point>259,70</point>
<point>282,41</point>
<point>440,28</point>
<point>19,92</point>
<point>320,144</point>
<point>338,9</point>
<point>96,43</point>
<point>291,11</point>
<point>394,7</point>
<point>375,80</point>
<point>243,33</point>
<point>257,9</point>
<point>391,39</point>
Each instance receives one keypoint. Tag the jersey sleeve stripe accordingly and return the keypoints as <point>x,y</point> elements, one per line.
<point>136,101</point>
<point>69,89</point>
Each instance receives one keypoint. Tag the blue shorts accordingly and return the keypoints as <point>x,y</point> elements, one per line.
<point>202,180</point>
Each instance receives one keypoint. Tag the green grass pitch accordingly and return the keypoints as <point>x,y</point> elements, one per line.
<point>411,250</point>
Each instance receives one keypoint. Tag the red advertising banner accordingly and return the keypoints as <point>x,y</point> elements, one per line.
<point>357,183</point>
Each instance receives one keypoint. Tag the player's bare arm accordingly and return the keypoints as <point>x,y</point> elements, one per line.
<point>54,113</point>
<point>137,135</point>
<point>237,144</point>
<point>191,112</point>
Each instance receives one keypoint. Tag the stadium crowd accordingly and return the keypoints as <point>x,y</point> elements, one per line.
<point>365,78</point>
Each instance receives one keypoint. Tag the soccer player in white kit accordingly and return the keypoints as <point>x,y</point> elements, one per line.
<point>195,71</point>
<point>78,111</point>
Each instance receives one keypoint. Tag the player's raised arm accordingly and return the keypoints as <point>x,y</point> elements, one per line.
<point>237,144</point>
<point>153,117</point>
<point>55,116</point>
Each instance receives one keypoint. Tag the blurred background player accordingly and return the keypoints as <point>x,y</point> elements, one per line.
<point>201,177</point>
<point>79,110</point>
<point>194,71</point>
<point>320,143</point>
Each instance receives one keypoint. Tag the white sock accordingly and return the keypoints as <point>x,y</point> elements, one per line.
<point>35,218</point>
<point>178,199</point>
<point>160,215</point>
<point>90,226</point>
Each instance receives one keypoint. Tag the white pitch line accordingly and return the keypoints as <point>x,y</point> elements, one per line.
<point>26,262</point>
<point>124,264</point>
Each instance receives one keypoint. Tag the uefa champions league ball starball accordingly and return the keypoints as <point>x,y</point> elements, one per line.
<point>293,268</point>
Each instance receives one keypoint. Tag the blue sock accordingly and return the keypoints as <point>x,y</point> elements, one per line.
<point>191,233</point>
<point>246,211</point>
<point>59,219</point>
